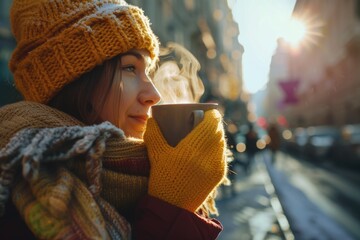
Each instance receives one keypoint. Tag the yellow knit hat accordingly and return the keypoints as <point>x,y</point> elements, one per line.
<point>59,40</point>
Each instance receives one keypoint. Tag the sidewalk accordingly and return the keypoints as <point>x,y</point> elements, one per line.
<point>256,211</point>
<point>253,212</point>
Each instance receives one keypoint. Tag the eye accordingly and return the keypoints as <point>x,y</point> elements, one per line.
<point>128,68</point>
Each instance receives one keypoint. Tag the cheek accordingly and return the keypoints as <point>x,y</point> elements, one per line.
<point>128,98</point>
<point>129,93</point>
<point>109,111</point>
<point>112,109</point>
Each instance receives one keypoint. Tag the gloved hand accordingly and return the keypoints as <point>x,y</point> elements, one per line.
<point>186,174</point>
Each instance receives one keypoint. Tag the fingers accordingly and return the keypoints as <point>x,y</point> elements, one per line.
<point>209,132</point>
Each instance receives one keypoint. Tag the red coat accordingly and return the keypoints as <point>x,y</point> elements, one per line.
<point>155,219</point>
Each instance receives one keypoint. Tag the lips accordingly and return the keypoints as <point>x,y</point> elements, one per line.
<point>140,118</point>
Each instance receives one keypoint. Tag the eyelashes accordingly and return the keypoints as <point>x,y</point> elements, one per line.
<point>133,69</point>
<point>128,68</point>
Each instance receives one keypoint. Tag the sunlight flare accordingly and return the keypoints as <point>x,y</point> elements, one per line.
<point>294,32</point>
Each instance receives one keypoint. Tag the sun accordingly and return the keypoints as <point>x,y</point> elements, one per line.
<point>294,32</point>
<point>304,30</point>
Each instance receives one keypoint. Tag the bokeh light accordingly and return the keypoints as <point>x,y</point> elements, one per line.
<point>241,147</point>
<point>261,144</point>
<point>287,134</point>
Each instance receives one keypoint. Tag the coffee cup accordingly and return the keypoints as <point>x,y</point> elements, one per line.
<point>177,120</point>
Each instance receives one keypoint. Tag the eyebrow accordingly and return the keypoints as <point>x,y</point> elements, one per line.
<point>138,56</point>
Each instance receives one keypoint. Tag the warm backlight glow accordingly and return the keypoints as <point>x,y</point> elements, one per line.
<point>241,147</point>
<point>261,144</point>
<point>260,24</point>
<point>287,134</point>
<point>294,32</point>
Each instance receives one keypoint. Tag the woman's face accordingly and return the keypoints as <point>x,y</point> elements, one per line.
<point>132,94</point>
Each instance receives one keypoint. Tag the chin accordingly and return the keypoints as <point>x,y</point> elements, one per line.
<point>133,134</point>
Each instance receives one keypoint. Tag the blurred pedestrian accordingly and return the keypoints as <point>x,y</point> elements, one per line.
<point>274,144</point>
<point>94,165</point>
<point>251,138</point>
<point>233,159</point>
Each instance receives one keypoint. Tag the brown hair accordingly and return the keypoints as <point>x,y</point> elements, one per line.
<point>77,98</point>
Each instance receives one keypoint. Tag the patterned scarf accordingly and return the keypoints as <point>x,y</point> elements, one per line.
<point>67,180</point>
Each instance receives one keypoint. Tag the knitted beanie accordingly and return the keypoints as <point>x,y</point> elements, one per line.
<point>59,40</point>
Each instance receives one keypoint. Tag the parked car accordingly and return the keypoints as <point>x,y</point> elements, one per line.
<point>320,142</point>
<point>347,151</point>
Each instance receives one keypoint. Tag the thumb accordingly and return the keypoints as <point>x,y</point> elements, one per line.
<point>153,135</point>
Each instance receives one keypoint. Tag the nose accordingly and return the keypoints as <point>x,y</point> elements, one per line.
<point>150,95</point>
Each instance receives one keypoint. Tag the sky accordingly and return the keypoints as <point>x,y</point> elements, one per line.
<point>261,23</point>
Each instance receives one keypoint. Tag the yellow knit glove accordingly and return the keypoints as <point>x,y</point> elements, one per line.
<point>186,174</point>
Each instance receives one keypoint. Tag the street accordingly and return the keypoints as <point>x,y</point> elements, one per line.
<point>332,192</point>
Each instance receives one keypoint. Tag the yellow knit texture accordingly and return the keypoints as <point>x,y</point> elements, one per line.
<point>58,41</point>
<point>185,175</point>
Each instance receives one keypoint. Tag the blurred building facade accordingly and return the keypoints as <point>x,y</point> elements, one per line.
<point>207,29</point>
<point>322,73</point>
<point>7,44</point>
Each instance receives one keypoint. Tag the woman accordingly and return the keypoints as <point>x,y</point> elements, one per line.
<point>80,158</point>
